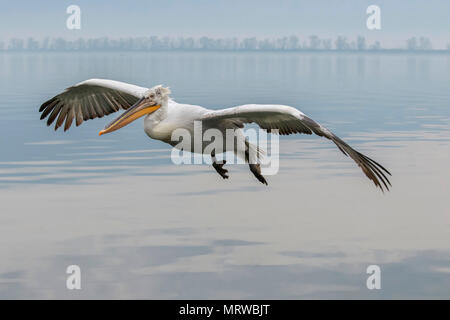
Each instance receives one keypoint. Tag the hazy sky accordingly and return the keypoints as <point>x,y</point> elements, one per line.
<point>219,18</point>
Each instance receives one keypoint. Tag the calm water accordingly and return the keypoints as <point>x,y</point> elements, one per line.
<point>141,227</point>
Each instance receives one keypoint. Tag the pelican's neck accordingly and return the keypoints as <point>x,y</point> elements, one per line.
<point>161,113</point>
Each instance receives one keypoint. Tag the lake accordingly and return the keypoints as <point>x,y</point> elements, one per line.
<point>139,226</point>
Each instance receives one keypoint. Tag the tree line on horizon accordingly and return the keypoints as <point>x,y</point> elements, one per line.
<point>154,43</point>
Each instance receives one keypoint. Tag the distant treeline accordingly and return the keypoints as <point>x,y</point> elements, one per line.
<point>154,43</point>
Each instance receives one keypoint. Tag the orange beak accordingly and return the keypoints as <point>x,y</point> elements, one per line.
<point>141,108</point>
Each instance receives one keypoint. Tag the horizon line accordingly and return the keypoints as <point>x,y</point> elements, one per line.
<point>204,43</point>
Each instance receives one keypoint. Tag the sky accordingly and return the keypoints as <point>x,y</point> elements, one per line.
<point>400,19</point>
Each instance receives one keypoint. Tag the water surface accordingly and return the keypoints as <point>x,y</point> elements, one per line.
<point>141,227</point>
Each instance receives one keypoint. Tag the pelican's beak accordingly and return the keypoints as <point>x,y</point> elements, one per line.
<point>139,109</point>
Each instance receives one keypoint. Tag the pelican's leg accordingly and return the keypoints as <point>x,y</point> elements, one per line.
<point>219,166</point>
<point>255,168</point>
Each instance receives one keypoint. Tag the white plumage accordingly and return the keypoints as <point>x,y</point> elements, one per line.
<point>96,98</point>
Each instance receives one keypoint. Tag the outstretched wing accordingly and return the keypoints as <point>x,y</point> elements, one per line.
<point>89,99</point>
<point>289,120</point>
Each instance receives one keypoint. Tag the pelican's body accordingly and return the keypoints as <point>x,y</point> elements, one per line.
<point>95,98</point>
<point>160,124</point>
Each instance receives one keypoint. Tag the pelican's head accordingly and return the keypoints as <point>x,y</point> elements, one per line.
<point>158,94</point>
<point>151,101</point>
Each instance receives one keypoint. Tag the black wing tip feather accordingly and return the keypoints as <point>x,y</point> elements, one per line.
<point>47,110</point>
<point>372,169</point>
<point>377,169</point>
<point>46,103</point>
<point>375,163</point>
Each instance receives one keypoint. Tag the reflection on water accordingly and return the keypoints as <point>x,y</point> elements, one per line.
<point>141,227</point>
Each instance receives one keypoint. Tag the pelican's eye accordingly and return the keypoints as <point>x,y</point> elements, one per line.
<point>152,96</point>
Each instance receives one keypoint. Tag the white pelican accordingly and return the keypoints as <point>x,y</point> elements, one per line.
<point>96,98</point>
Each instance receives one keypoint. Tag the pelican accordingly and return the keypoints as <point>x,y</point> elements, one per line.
<point>96,98</point>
